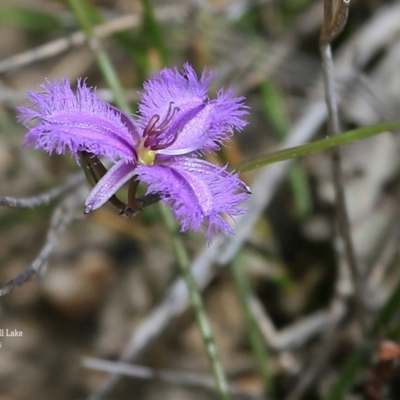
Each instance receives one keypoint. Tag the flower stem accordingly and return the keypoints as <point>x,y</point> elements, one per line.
<point>318,145</point>
<point>198,307</point>
<point>80,10</point>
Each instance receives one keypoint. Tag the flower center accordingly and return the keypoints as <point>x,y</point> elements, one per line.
<point>152,139</point>
<point>146,156</point>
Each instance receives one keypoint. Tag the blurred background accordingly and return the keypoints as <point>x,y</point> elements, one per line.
<point>106,285</point>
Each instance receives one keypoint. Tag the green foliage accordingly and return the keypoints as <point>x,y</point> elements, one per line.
<point>27,19</point>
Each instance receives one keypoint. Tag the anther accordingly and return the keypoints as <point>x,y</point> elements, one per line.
<point>152,131</point>
<point>150,128</point>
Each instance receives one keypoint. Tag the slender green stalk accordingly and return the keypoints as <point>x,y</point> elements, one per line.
<point>256,340</point>
<point>152,30</point>
<point>104,62</point>
<point>198,307</point>
<point>318,145</point>
<point>347,375</point>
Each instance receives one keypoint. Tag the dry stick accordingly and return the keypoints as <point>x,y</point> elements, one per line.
<point>366,42</point>
<point>164,13</point>
<point>61,218</point>
<point>387,254</point>
<point>175,302</point>
<point>184,379</point>
<point>292,336</point>
<point>77,39</point>
<point>333,25</point>
<point>43,198</point>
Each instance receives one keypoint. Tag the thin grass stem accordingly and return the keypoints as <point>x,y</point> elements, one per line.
<point>103,61</point>
<point>318,145</point>
<point>257,343</point>
<point>198,307</point>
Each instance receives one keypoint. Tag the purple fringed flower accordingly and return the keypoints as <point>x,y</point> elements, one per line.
<point>176,123</point>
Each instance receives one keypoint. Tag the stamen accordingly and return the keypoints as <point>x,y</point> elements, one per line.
<point>152,131</point>
<point>165,145</point>
<point>150,128</point>
<point>168,118</point>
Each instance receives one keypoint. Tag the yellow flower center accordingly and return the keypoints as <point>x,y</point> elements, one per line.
<point>146,156</point>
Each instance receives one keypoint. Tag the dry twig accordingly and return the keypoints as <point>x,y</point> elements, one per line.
<point>172,377</point>
<point>61,218</point>
<point>44,198</point>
